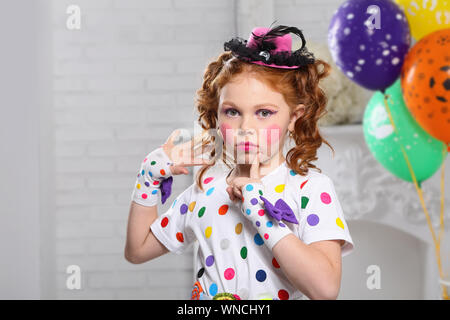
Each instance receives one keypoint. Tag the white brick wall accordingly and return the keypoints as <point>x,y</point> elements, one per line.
<point>121,84</point>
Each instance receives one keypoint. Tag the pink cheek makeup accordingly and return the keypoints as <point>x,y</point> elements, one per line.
<point>273,134</point>
<point>224,128</point>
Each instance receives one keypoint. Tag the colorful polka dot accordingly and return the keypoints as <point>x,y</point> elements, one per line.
<point>192,206</point>
<point>183,208</point>
<point>269,224</point>
<point>292,172</point>
<point>283,295</point>
<point>163,172</point>
<point>208,232</point>
<point>305,201</point>
<point>325,197</point>
<point>223,209</point>
<point>312,219</point>
<point>209,191</point>
<point>164,222</point>
<point>213,289</point>
<point>208,180</point>
<point>201,212</point>
<point>154,191</point>
<point>173,204</point>
<point>209,261</point>
<point>258,224</point>
<point>258,240</point>
<point>275,263</point>
<point>155,183</point>
<point>147,184</point>
<point>144,196</point>
<point>180,237</point>
<point>244,252</point>
<point>340,223</point>
<point>138,186</point>
<point>261,212</point>
<point>229,273</point>
<point>254,201</point>
<point>153,163</point>
<point>261,275</point>
<point>248,211</point>
<point>279,188</point>
<point>303,184</point>
<point>200,272</point>
<point>238,228</point>
<point>249,187</point>
<point>266,236</point>
<point>225,244</point>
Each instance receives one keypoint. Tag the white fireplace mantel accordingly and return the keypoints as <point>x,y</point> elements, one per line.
<point>368,191</point>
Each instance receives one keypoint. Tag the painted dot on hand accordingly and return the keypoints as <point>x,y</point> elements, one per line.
<point>275,263</point>
<point>258,240</point>
<point>208,180</point>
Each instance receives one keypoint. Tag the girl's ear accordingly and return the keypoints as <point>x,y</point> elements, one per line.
<point>297,113</point>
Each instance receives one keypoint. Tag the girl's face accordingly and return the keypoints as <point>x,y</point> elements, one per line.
<point>253,117</point>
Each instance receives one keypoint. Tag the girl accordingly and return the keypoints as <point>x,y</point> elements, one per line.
<point>270,228</point>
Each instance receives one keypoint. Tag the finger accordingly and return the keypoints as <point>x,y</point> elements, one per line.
<point>237,192</point>
<point>254,169</point>
<point>170,140</point>
<point>230,193</point>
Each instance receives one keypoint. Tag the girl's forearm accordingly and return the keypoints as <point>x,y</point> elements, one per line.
<point>139,221</point>
<point>308,269</point>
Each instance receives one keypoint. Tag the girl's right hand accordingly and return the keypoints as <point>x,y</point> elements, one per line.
<point>185,154</point>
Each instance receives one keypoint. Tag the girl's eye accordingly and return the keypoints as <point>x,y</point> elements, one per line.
<point>265,113</point>
<point>231,112</point>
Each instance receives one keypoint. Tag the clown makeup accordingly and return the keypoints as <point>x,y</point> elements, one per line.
<point>252,117</point>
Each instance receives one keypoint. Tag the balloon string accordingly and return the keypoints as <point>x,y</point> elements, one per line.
<point>419,192</point>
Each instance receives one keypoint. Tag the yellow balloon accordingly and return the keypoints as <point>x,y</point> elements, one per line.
<point>426,16</point>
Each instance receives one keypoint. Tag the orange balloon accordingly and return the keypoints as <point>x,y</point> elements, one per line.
<point>425,80</point>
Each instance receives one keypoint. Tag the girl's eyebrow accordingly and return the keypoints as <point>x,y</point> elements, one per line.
<point>255,106</point>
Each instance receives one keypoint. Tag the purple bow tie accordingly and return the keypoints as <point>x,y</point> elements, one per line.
<point>166,188</point>
<point>279,211</point>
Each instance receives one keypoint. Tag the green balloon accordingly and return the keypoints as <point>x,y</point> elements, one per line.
<point>424,151</point>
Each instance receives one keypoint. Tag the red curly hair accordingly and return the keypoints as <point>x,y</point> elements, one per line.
<point>298,86</point>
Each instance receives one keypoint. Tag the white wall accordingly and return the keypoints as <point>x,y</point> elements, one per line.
<point>25,57</point>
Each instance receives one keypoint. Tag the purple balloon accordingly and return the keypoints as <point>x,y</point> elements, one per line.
<point>368,40</point>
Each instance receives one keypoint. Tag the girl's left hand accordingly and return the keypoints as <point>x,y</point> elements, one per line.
<point>235,188</point>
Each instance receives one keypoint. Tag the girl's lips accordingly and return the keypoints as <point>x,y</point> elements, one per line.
<point>246,146</point>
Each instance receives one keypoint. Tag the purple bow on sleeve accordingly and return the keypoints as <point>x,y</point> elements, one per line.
<point>279,211</point>
<point>166,189</point>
